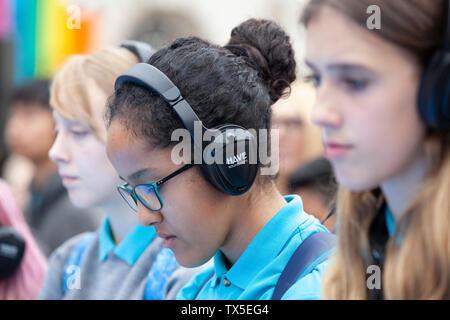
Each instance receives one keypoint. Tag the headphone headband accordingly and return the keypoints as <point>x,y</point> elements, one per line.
<point>234,176</point>
<point>434,93</point>
<point>141,49</point>
<point>153,79</point>
<point>447,25</point>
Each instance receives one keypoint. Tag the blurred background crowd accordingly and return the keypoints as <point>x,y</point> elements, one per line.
<point>36,36</point>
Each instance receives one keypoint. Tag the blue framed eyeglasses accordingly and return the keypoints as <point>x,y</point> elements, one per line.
<point>147,193</point>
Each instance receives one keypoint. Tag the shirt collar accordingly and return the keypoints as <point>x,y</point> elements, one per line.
<point>130,248</point>
<point>264,247</point>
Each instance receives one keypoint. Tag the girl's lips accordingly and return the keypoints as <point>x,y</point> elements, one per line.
<point>67,180</point>
<point>336,150</point>
<point>168,240</point>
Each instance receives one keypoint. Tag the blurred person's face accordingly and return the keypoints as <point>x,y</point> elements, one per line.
<point>85,170</point>
<point>288,120</point>
<point>30,131</point>
<point>195,219</point>
<point>315,205</point>
<point>366,101</point>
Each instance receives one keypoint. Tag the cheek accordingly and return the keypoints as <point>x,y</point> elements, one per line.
<point>388,135</point>
<point>96,172</point>
<point>191,212</point>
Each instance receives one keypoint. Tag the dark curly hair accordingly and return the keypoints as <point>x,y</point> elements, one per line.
<point>234,84</point>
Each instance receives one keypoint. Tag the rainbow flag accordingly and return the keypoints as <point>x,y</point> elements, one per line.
<point>46,32</point>
<point>5,23</point>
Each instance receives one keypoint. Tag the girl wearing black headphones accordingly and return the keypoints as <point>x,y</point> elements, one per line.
<point>106,264</point>
<point>200,211</point>
<point>383,106</point>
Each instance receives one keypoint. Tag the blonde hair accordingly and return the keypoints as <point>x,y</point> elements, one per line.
<point>416,268</point>
<point>77,84</point>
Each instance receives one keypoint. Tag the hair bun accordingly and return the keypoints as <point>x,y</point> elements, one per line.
<point>267,48</point>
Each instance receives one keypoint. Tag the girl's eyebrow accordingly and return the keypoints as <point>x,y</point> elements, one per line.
<point>138,175</point>
<point>348,68</point>
<point>342,67</point>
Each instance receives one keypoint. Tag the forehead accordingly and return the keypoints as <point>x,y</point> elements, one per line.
<point>335,38</point>
<point>62,120</point>
<point>21,106</point>
<point>129,153</point>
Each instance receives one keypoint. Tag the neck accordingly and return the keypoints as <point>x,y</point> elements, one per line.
<point>44,169</point>
<point>121,218</point>
<point>282,184</point>
<point>251,219</point>
<point>401,190</point>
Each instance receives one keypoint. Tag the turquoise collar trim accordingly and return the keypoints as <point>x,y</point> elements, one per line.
<point>390,221</point>
<point>264,247</point>
<point>130,248</point>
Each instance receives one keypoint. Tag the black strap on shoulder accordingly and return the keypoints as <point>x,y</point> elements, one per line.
<point>378,238</point>
<point>333,210</point>
<point>310,249</point>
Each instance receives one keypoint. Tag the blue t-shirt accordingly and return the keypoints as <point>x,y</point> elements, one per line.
<point>256,272</point>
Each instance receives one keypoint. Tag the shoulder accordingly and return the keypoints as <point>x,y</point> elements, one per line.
<point>52,285</point>
<point>309,225</point>
<point>62,253</point>
<point>308,287</point>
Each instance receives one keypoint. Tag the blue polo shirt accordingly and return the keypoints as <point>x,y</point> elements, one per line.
<point>130,248</point>
<point>256,272</point>
<point>90,266</point>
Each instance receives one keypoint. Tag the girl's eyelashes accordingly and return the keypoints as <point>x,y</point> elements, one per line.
<point>351,84</point>
<point>354,84</point>
<point>79,133</point>
<point>314,79</point>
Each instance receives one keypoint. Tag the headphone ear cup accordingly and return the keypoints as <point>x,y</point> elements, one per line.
<point>232,173</point>
<point>434,93</point>
<point>12,249</point>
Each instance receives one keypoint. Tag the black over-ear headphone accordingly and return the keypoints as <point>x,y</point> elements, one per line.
<point>142,50</point>
<point>12,249</point>
<point>231,157</point>
<point>434,92</point>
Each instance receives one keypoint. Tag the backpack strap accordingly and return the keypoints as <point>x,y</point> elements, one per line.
<point>74,260</point>
<point>310,253</point>
<point>160,271</point>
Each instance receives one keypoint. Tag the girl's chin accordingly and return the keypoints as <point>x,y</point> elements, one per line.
<point>81,202</point>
